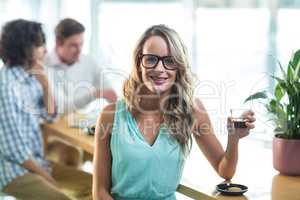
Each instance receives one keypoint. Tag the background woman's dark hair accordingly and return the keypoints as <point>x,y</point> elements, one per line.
<point>18,40</point>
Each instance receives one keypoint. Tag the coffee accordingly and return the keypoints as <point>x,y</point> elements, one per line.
<point>239,123</point>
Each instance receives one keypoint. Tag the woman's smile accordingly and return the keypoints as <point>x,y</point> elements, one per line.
<point>159,80</point>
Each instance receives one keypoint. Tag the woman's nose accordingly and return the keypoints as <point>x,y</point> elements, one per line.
<point>159,66</point>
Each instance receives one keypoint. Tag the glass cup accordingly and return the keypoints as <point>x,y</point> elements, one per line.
<point>237,118</point>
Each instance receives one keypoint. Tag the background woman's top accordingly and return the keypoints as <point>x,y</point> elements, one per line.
<point>21,108</point>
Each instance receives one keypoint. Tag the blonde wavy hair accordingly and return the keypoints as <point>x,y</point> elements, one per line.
<point>177,110</point>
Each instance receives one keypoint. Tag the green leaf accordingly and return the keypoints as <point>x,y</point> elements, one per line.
<point>276,108</point>
<point>281,82</point>
<point>297,85</point>
<point>295,63</point>
<point>297,72</point>
<point>282,71</point>
<point>288,86</point>
<point>290,73</point>
<point>295,59</point>
<point>273,106</point>
<point>278,79</point>
<point>257,95</point>
<point>279,92</point>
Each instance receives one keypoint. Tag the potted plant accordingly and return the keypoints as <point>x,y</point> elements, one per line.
<point>284,109</point>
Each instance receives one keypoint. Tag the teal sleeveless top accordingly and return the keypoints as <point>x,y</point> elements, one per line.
<point>141,171</point>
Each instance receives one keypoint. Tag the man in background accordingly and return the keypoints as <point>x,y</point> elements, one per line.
<point>76,77</point>
<point>76,80</point>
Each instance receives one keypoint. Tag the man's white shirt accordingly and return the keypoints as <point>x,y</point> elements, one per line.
<point>74,85</point>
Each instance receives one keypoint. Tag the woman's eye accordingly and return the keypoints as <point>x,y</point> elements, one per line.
<point>169,61</point>
<point>151,59</point>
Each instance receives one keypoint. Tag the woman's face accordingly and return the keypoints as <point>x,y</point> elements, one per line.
<point>158,79</point>
<point>39,54</point>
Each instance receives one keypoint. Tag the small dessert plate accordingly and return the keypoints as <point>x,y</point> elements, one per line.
<point>231,189</point>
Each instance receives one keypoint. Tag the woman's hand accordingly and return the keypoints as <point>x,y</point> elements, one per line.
<point>241,132</point>
<point>50,179</point>
<point>31,166</point>
<point>37,70</point>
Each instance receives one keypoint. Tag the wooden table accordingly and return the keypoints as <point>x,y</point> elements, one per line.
<point>254,169</point>
<point>73,136</point>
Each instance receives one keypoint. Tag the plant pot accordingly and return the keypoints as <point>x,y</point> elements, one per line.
<point>286,155</point>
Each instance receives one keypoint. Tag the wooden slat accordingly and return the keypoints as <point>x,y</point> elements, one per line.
<point>194,194</point>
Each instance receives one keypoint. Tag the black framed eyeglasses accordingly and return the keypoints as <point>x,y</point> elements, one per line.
<point>150,61</point>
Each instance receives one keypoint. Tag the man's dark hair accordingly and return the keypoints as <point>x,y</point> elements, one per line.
<point>18,40</point>
<point>67,28</point>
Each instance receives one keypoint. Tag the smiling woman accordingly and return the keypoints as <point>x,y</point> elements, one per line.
<point>167,79</point>
<point>143,140</point>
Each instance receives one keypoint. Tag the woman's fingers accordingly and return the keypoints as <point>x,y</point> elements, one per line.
<point>248,113</point>
<point>250,125</point>
<point>249,116</point>
<point>250,119</point>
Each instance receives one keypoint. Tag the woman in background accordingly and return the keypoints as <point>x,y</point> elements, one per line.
<point>25,98</point>
<point>143,140</point>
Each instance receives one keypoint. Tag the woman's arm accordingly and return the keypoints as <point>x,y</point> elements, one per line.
<point>48,97</point>
<point>102,155</point>
<point>224,162</point>
<point>38,72</point>
<point>31,166</point>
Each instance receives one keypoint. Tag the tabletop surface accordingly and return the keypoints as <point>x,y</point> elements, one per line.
<point>254,168</point>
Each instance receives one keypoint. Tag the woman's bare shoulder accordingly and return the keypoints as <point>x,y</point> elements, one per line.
<point>199,108</point>
<point>202,121</point>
